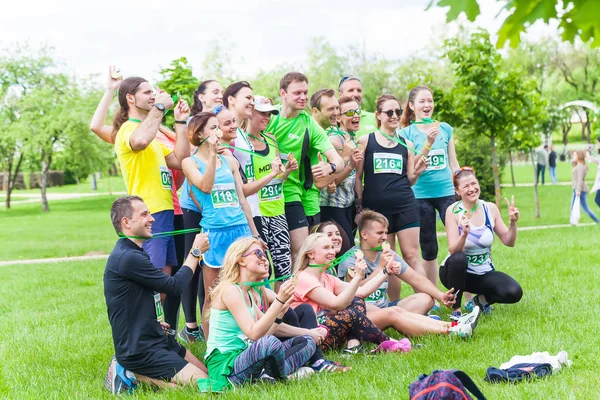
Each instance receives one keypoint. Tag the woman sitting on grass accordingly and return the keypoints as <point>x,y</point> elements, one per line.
<point>241,346</point>
<point>470,227</point>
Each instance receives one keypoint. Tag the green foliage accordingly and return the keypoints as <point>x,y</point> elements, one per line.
<point>476,152</point>
<point>577,18</point>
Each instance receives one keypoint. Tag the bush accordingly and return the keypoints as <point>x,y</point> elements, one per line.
<point>476,152</point>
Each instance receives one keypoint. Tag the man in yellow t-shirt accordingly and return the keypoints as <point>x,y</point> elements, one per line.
<point>145,162</point>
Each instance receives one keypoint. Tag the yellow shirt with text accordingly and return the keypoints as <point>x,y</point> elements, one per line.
<point>145,172</point>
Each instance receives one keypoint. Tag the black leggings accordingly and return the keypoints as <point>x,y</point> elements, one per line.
<point>497,287</point>
<point>428,235</point>
<point>191,219</point>
<point>351,323</point>
<point>171,303</point>
<point>303,316</point>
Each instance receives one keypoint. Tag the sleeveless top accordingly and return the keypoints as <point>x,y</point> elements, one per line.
<point>386,187</point>
<point>271,202</point>
<point>478,245</point>
<point>245,160</point>
<point>225,333</point>
<point>344,192</point>
<point>221,208</point>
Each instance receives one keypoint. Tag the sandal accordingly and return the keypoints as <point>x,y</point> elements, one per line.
<point>328,366</point>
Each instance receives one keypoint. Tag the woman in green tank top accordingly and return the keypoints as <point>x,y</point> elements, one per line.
<point>241,347</point>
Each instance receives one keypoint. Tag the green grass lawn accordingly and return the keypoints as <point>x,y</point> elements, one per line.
<point>524,173</point>
<point>57,343</point>
<point>107,184</point>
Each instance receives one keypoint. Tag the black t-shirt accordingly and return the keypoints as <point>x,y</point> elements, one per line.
<point>130,281</point>
<point>386,186</point>
<point>552,159</point>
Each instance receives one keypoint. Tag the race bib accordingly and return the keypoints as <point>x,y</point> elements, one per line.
<point>376,296</point>
<point>224,195</point>
<point>273,191</point>
<point>160,314</point>
<point>249,171</point>
<point>166,179</point>
<point>479,258</point>
<point>385,163</point>
<point>436,160</point>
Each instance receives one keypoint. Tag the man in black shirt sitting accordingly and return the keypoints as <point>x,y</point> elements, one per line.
<point>144,349</point>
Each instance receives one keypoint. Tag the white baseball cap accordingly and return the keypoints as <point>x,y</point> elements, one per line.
<point>263,104</point>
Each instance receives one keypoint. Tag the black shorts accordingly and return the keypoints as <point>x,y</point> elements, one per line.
<point>162,363</point>
<point>403,220</point>
<point>296,217</point>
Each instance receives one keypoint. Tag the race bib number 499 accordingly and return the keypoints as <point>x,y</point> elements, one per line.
<point>387,163</point>
<point>436,160</point>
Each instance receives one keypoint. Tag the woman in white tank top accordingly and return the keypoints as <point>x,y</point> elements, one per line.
<point>470,227</point>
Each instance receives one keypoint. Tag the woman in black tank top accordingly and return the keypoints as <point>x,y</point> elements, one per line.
<point>389,171</point>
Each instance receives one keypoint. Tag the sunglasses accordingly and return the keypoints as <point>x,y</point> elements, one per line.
<point>352,113</point>
<point>461,170</point>
<point>347,78</point>
<point>390,113</point>
<point>218,108</point>
<point>257,252</point>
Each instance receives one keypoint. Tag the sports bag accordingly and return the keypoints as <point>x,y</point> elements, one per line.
<point>447,384</point>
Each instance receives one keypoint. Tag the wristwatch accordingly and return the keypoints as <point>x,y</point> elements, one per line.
<point>180,122</point>
<point>160,106</point>
<point>333,168</point>
<point>385,271</point>
<point>196,253</point>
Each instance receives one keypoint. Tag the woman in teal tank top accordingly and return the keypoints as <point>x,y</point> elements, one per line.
<point>217,185</point>
<point>240,348</point>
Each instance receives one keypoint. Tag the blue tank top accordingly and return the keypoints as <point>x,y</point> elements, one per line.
<point>221,207</point>
<point>185,200</point>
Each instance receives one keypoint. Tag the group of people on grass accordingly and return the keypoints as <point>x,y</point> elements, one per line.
<point>301,214</point>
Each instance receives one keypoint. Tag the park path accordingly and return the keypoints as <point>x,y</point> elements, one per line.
<point>105,256</point>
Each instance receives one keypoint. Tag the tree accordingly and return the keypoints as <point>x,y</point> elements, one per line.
<point>178,78</point>
<point>20,72</point>
<point>577,18</point>
<point>486,97</point>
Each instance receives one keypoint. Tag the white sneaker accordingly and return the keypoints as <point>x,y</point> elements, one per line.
<point>463,331</point>
<point>471,318</point>
<point>301,373</point>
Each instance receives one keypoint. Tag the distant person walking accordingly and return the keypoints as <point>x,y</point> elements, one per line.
<point>542,161</point>
<point>596,187</point>
<point>580,188</point>
<point>552,164</point>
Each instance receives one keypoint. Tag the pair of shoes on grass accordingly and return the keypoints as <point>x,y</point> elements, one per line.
<point>465,324</point>
<point>476,301</point>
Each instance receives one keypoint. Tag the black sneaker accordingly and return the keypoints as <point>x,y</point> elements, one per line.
<point>191,337</point>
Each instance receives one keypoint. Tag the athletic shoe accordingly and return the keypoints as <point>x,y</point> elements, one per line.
<point>301,373</point>
<point>469,305</point>
<point>471,318</point>
<point>359,348</point>
<point>265,378</point>
<point>456,314</point>
<point>485,308</point>
<point>463,331</point>
<point>118,379</point>
<point>191,337</point>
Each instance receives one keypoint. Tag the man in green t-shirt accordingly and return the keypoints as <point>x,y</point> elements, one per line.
<point>325,108</point>
<point>299,134</point>
<point>352,86</point>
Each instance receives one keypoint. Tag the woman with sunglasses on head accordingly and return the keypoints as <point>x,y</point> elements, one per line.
<point>389,170</point>
<point>241,345</point>
<point>337,200</point>
<point>470,227</point>
<point>433,190</point>
<point>217,186</point>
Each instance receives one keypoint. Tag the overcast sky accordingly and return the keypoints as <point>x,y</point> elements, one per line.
<point>140,37</point>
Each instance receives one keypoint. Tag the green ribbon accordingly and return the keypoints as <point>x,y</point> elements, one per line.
<point>424,121</point>
<point>161,234</point>
<point>335,262</point>
<point>395,139</point>
<point>175,99</point>
<point>134,120</point>
<point>460,209</point>
<point>253,153</point>
<point>274,143</point>
<point>265,283</point>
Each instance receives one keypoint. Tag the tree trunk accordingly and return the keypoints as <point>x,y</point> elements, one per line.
<point>495,169</point>
<point>44,182</point>
<point>10,179</point>
<point>535,184</point>
<point>512,172</point>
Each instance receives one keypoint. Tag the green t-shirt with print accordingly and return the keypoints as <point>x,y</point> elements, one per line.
<point>302,137</point>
